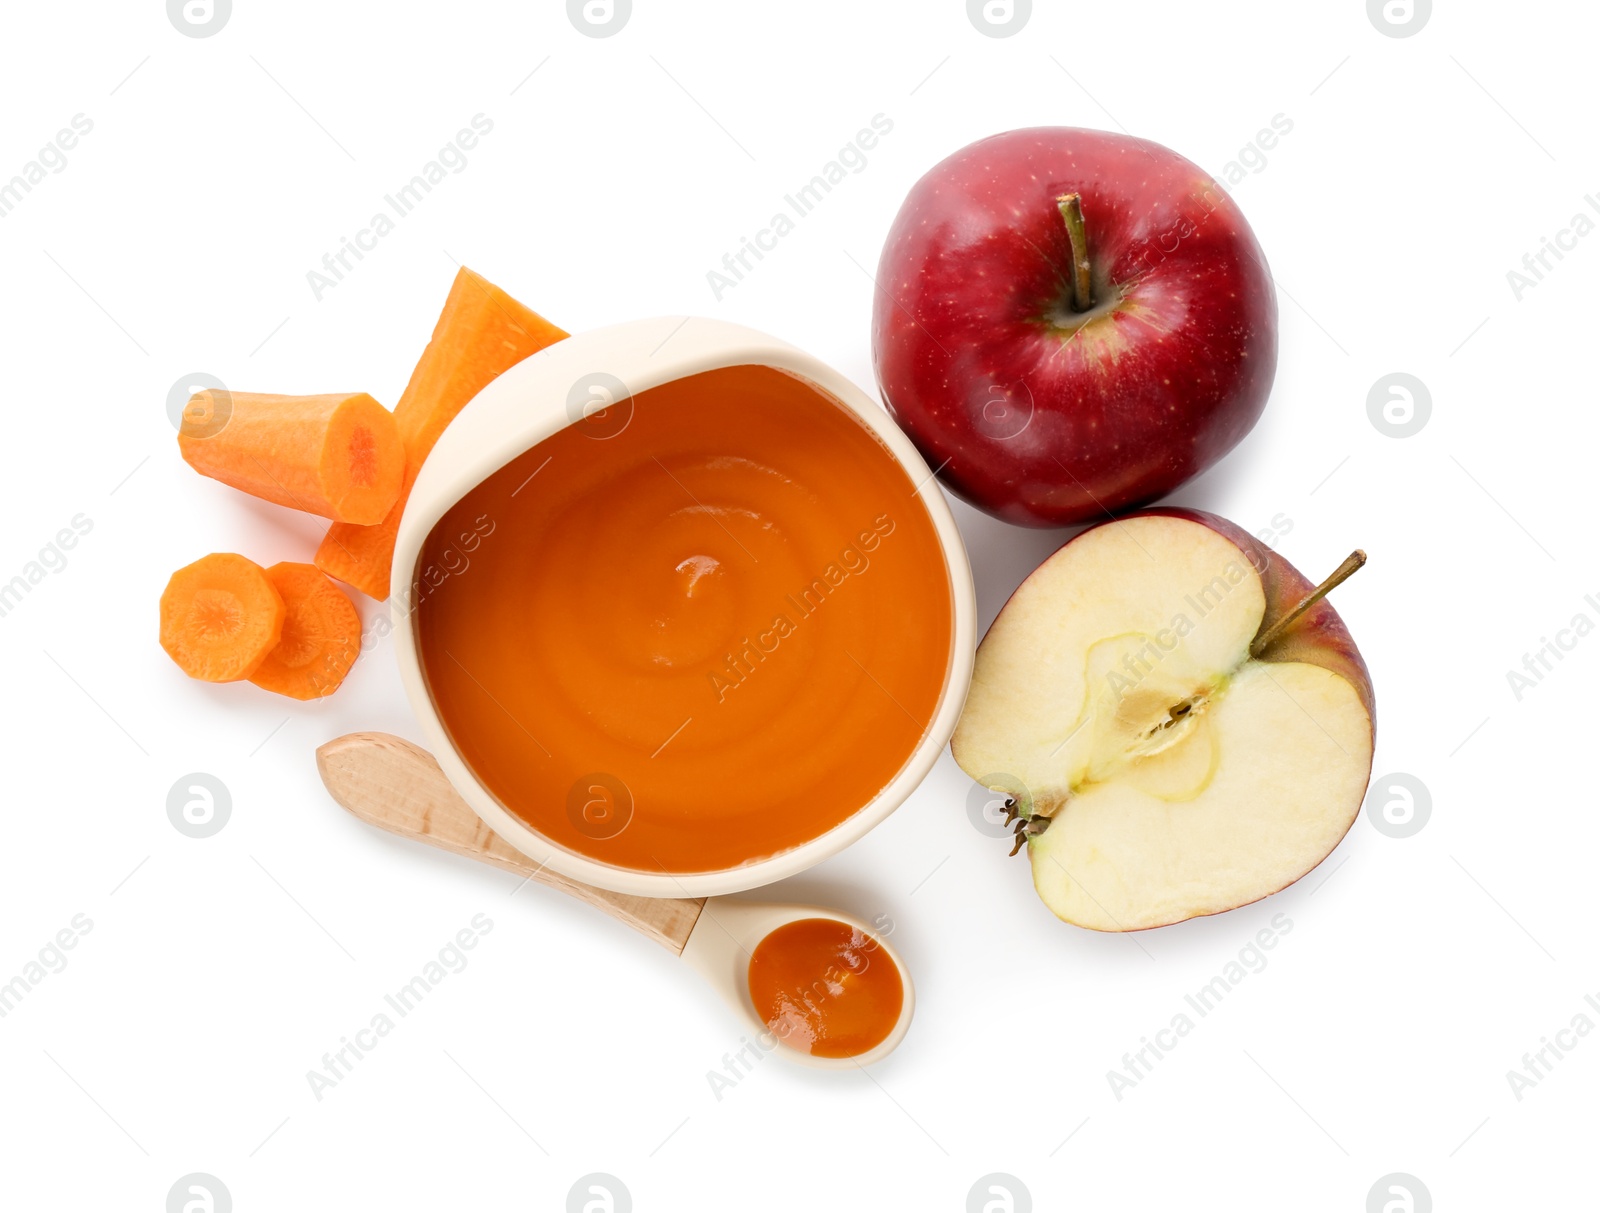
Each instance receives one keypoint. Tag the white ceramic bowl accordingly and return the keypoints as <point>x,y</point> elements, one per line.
<point>528,404</point>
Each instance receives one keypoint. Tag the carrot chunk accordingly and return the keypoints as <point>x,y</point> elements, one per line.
<point>220,617</point>
<point>360,556</point>
<point>321,635</point>
<point>482,332</point>
<point>339,455</point>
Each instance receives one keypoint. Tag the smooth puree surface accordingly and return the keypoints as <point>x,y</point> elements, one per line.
<point>693,631</point>
<point>825,987</point>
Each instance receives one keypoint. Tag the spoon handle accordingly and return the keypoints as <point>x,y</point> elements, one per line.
<point>396,786</point>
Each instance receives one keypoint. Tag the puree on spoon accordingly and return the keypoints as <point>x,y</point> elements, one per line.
<point>823,988</point>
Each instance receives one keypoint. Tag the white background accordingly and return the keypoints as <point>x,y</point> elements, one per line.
<point>177,239</point>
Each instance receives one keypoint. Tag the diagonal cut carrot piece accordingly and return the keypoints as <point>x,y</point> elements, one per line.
<point>482,332</point>
<point>339,455</point>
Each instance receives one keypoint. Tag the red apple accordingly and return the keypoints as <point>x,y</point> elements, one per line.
<point>1071,323</point>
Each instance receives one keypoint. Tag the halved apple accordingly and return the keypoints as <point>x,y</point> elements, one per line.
<point>1182,724</point>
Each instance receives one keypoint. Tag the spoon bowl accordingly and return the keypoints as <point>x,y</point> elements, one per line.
<point>725,939</point>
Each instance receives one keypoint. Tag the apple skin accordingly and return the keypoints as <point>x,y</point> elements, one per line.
<point>1046,417</point>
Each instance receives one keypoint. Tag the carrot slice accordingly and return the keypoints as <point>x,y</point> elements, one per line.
<point>481,333</point>
<point>339,455</point>
<point>220,617</point>
<point>321,635</point>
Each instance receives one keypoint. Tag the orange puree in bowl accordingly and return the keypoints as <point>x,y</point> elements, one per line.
<point>825,988</point>
<point>695,630</point>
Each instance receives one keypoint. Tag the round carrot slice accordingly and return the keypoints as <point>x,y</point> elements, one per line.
<point>220,617</point>
<point>321,635</point>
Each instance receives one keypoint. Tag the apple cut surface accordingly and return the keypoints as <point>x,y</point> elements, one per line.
<point>1165,771</point>
<point>1259,796</point>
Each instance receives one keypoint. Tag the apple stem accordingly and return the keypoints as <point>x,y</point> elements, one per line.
<point>1071,206</point>
<point>1267,639</point>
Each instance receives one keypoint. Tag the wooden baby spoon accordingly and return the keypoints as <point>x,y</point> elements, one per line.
<point>396,786</point>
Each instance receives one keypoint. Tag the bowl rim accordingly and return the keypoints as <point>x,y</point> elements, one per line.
<point>529,403</point>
